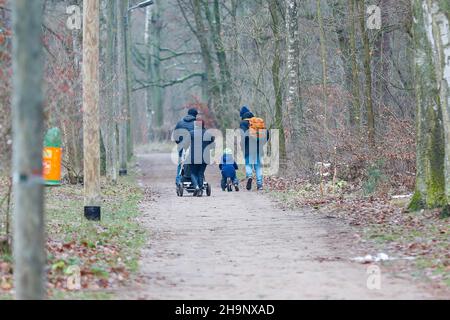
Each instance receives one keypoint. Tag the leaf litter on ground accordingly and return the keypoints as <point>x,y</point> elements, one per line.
<point>420,239</point>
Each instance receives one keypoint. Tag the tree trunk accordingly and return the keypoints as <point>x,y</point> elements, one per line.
<point>215,24</point>
<point>109,127</point>
<point>293,100</point>
<point>72,130</point>
<point>235,43</point>
<point>155,67</point>
<point>122,95</point>
<point>28,118</point>
<point>382,53</point>
<point>147,68</point>
<point>430,180</point>
<point>276,66</point>
<point>342,31</point>
<point>213,87</point>
<point>440,41</point>
<point>323,57</point>
<point>129,74</point>
<point>355,112</point>
<point>368,75</point>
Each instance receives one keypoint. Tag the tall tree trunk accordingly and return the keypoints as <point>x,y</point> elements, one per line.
<point>368,75</point>
<point>342,25</point>
<point>116,89</point>
<point>323,57</point>
<point>91,117</point>
<point>72,133</point>
<point>293,100</point>
<point>355,112</point>
<point>384,74</point>
<point>122,78</point>
<point>147,68</point>
<point>155,67</point>
<point>109,90</point>
<point>439,14</point>
<point>276,66</point>
<point>235,34</point>
<point>430,179</point>
<point>213,87</point>
<point>28,118</point>
<point>215,24</point>
<point>131,113</point>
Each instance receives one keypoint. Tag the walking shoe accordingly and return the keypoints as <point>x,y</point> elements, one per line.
<point>249,184</point>
<point>200,193</point>
<point>236,187</point>
<point>196,191</point>
<point>260,188</point>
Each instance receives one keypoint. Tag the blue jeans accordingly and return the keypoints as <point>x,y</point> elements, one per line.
<point>198,175</point>
<point>233,178</point>
<point>179,167</point>
<point>252,163</point>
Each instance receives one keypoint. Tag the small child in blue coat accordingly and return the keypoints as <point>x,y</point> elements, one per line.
<point>228,168</point>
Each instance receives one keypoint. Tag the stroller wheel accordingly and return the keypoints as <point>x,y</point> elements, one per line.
<point>208,190</point>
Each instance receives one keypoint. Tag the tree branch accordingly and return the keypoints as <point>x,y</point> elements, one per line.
<point>168,84</point>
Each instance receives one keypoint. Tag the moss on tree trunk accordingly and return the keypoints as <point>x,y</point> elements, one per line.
<point>430,178</point>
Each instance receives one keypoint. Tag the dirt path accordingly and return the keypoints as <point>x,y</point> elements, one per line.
<point>240,246</point>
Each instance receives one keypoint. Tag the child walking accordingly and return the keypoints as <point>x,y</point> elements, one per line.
<point>228,168</point>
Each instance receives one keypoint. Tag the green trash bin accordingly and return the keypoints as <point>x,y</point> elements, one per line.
<point>52,157</point>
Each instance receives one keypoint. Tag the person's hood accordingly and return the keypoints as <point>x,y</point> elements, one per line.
<point>247,115</point>
<point>244,110</point>
<point>193,112</point>
<point>189,118</point>
<point>228,159</point>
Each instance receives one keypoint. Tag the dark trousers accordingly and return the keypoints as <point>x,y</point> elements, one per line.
<point>197,175</point>
<point>225,177</point>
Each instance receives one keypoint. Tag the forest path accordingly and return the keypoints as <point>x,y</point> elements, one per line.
<point>241,246</point>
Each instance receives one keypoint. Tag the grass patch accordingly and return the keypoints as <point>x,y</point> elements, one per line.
<point>105,252</point>
<point>424,237</point>
<point>82,295</point>
<point>117,228</point>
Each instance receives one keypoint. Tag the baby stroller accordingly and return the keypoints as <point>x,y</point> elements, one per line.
<point>186,182</point>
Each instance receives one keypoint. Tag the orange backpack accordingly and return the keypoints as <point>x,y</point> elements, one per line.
<point>257,128</point>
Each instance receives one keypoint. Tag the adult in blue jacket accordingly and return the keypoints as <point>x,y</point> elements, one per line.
<point>198,158</point>
<point>183,129</point>
<point>253,150</point>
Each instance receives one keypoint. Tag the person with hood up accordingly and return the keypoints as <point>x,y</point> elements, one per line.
<point>183,128</point>
<point>255,136</point>
<point>228,169</point>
